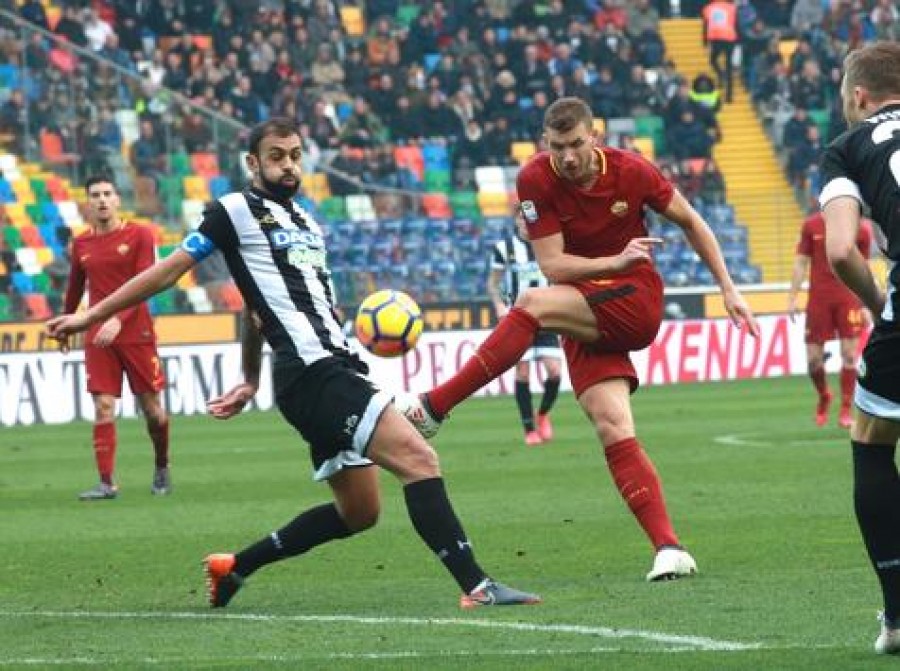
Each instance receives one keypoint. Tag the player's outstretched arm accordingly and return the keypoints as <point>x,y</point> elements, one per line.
<point>233,401</point>
<point>703,241</point>
<point>158,277</point>
<point>842,215</point>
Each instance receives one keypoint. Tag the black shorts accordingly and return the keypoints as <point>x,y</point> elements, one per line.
<point>334,406</point>
<point>878,391</point>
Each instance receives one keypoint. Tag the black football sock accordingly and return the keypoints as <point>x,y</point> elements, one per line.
<point>551,391</point>
<point>310,528</point>
<point>433,518</point>
<point>876,497</point>
<point>526,409</point>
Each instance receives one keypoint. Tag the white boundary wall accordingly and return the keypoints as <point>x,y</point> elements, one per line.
<point>49,387</point>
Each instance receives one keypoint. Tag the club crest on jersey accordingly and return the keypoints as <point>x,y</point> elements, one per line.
<point>122,249</point>
<point>619,208</point>
<point>529,211</point>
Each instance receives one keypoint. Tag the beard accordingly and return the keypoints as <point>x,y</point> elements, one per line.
<point>279,189</point>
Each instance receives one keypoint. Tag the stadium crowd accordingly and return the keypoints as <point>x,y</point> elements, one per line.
<point>471,76</point>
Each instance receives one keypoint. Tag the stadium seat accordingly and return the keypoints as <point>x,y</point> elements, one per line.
<point>6,308</point>
<point>52,150</point>
<point>436,205</point>
<point>315,185</point>
<point>199,300</point>
<point>192,212</point>
<point>353,21</point>
<point>37,309</point>
<point>411,158</point>
<point>653,127</point>
<point>50,214</point>
<point>437,180</point>
<point>522,151</point>
<point>465,204</point>
<point>406,14</point>
<point>12,237</point>
<point>57,189</point>
<point>599,125</point>
<point>17,214</point>
<point>333,208</point>
<point>360,208</point>
<point>22,188</point>
<point>44,256</point>
<point>490,178</point>
<point>68,210</point>
<point>196,188</point>
<point>219,186</point>
<point>436,156</point>
<point>493,204</point>
<point>22,282</point>
<point>7,195</point>
<point>205,164</point>
<point>9,167</point>
<point>31,236</point>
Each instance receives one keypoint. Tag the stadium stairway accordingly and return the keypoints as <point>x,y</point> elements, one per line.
<point>756,183</point>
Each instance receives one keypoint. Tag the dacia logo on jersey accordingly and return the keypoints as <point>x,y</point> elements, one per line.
<point>529,211</point>
<point>282,238</point>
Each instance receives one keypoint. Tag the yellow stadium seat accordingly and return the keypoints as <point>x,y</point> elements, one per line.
<point>494,204</point>
<point>600,125</point>
<point>17,215</point>
<point>196,188</point>
<point>645,146</point>
<point>315,185</point>
<point>353,21</point>
<point>44,256</point>
<point>22,189</point>
<point>522,151</point>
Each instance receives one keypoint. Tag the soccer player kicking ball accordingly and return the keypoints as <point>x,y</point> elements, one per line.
<point>106,257</point>
<point>276,254</point>
<point>831,308</point>
<point>584,208</point>
<point>862,166</point>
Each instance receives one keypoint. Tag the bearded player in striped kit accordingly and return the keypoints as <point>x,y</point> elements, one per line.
<point>514,270</point>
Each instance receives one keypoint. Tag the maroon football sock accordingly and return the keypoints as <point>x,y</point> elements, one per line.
<point>848,384</point>
<point>159,436</point>
<point>817,376</point>
<point>640,487</point>
<point>105,450</point>
<point>501,351</point>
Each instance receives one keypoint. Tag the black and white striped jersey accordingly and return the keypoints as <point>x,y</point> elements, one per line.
<point>276,254</point>
<point>521,271</point>
<point>864,163</point>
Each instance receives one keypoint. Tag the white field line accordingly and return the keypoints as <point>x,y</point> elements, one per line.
<point>751,440</point>
<point>679,641</point>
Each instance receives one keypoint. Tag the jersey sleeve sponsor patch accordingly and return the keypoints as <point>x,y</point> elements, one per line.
<point>198,246</point>
<point>529,211</point>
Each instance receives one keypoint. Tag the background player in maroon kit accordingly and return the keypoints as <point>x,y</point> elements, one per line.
<point>584,208</point>
<point>831,309</point>
<point>105,258</point>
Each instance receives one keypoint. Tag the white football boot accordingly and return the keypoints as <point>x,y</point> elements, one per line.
<point>888,641</point>
<point>671,563</point>
<point>411,407</point>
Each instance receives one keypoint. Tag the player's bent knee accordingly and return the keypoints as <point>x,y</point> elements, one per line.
<point>360,518</point>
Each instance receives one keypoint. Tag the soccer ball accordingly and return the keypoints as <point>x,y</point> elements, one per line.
<point>388,323</point>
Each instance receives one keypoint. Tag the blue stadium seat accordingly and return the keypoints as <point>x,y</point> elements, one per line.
<point>438,227</point>
<point>430,62</point>
<point>50,215</point>
<point>22,282</point>
<point>436,156</point>
<point>219,186</point>
<point>525,103</point>
<point>7,195</point>
<point>719,215</point>
<point>10,77</point>
<point>413,225</point>
<point>391,226</point>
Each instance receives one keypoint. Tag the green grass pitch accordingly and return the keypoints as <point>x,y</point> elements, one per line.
<point>758,493</point>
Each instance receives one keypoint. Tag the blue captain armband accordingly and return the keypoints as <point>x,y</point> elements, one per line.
<point>198,246</point>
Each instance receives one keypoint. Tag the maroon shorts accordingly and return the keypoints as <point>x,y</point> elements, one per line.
<point>826,320</point>
<point>629,313</point>
<point>140,362</point>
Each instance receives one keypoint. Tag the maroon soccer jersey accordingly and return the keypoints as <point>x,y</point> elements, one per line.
<point>823,285</point>
<point>594,222</point>
<point>106,261</point>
